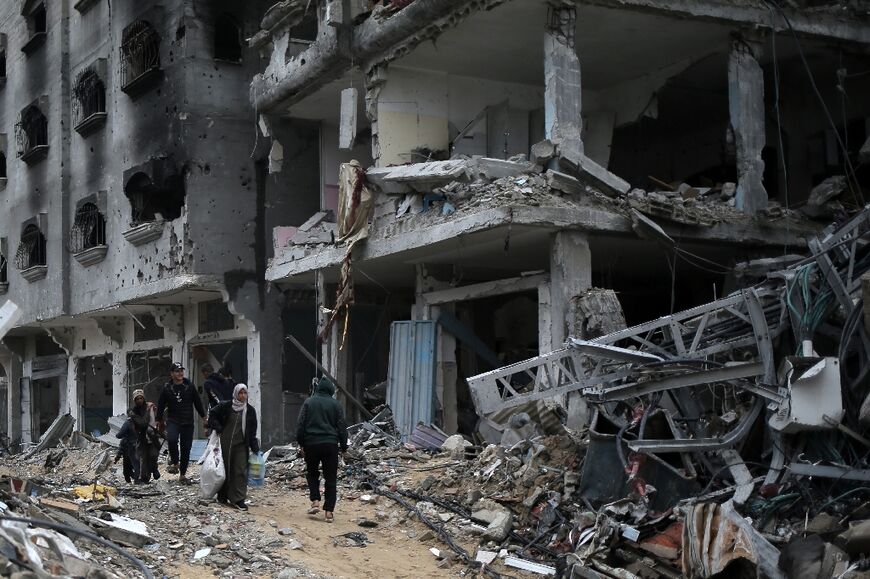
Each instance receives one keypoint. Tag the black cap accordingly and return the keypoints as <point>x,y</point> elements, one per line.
<point>176,366</point>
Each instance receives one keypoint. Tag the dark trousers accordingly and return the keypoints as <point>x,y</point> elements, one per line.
<point>148,453</point>
<point>184,432</point>
<point>315,456</point>
<point>131,462</point>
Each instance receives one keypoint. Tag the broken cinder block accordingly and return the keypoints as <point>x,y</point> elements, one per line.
<point>564,183</point>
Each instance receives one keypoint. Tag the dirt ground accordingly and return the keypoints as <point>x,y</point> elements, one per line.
<point>394,549</point>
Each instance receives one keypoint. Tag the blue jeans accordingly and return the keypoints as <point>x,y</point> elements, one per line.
<point>174,432</point>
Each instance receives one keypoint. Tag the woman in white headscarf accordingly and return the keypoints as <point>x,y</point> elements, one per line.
<point>236,422</point>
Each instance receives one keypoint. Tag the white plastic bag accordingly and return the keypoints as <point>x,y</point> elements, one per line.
<point>213,473</point>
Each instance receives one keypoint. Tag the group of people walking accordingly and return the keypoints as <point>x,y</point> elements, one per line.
<point>321,434</point>
<point>172,419</point>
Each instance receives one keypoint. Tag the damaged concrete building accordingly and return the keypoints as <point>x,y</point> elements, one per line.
<point>494,177</point>
<point>177,184</point>
<point>134,207</point>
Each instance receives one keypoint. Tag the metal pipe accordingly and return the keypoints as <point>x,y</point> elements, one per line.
<point>313,360</point>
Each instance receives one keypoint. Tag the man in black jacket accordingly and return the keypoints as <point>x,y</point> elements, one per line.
<point>217,388</point>
<point>179,396</point>
<point>321,432</point>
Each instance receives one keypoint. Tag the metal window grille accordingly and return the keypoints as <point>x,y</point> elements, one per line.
<point>89,95</point>
<point>140,51</point>
<point>148,370</point>
<point>31,250</point>
<point>214,316</point>
<point>31,131</point>
<point>88,230</point>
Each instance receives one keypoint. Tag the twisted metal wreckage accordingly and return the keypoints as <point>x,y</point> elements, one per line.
<point>717,389</point>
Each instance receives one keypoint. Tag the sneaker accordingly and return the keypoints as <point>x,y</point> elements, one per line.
<point>172,468</point>
<point>241,506</point>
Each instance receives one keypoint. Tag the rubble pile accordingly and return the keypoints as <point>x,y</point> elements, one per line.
<point>156,527</point>
<point>723,441</point>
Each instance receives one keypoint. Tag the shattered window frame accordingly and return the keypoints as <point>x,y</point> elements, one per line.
<point>89,95</point>
<point>152,331</point>
<point>140,52</point>
<point>152,367</point>
<point>31,249</point>
<point>37,19</point>
<point>32,130</point>
<point>88,230</point>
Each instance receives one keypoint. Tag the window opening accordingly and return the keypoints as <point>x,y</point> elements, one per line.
<point>89,95</point>
<point>2,165</point>
<point>3,269</point>
<point>88,230</point>
<point>3,64</point>
<point>227,39</point>
<point>31,250</point>
<point>151,331</point>
<point>38,20</point>
<point>31,131</point>
<point>149,371</point>
<point>140,52</point>
<point>147,201</point>
<point>214,316</point>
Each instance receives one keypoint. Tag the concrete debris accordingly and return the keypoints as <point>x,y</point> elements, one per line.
<point>662,471</point>
<point>822,201</point>
<point>572,159</point>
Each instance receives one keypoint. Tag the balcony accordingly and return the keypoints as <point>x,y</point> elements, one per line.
<point>91,255</point>
<point>35,154</point>
<point>142,82</point>
<point>34,273</point>
<point>33,43</point>
<point>144,232</point>
<point>91,123</point>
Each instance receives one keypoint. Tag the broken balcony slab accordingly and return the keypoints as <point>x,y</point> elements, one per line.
<point>520,203</point>
<point>572,159</point>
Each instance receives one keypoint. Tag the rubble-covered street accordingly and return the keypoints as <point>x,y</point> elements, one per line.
<point>718,442</point>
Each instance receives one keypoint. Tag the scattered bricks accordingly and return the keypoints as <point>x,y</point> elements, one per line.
<point>666,544</point>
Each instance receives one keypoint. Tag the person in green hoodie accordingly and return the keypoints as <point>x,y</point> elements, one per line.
<point>321,432</point>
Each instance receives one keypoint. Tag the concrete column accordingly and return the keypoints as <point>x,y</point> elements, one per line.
<point>570,275</point>
<point>562,103</point>
<point>746,107</point>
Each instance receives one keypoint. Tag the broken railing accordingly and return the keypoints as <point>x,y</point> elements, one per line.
<point>713,370</point>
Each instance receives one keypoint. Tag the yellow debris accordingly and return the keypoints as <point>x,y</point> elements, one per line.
<point>94,491</point>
